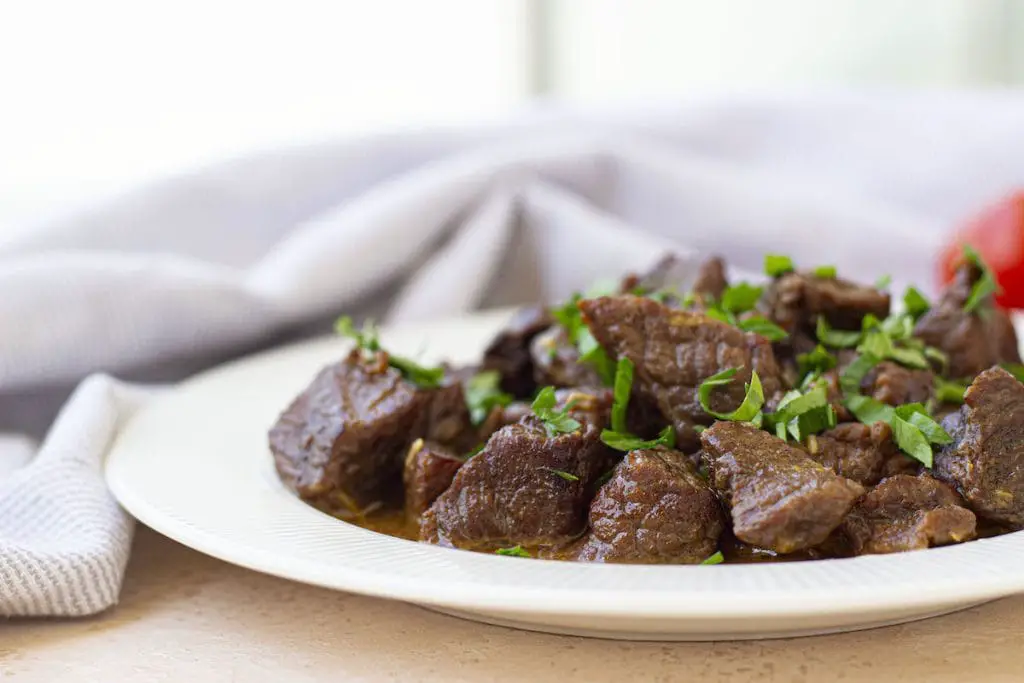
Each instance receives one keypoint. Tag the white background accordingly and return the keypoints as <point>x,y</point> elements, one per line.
<point>97,96</point>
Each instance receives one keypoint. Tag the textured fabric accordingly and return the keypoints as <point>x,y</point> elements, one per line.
<point>184,273</point>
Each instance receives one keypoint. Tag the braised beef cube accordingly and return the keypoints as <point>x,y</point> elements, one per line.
<point>429,469</point>
<point>674,351</point>
<point>654,509</point>
<point>895,385</point>
<point>973,341</point>
<point>556,361</point>
<point>778,496</point>
<point>711,280</point>
<point>341,442</point>
<point>985,462</point>
<point>908,513</point>
<point>795,301</point>
<point>859,452</point>
<point>509,352</point>
<point>524,488</point>
<point>447,420</point>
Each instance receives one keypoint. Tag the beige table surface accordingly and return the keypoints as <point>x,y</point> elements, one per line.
<point>187,617</point>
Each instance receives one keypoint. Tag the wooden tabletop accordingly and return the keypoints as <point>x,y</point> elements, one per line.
<point>187,617</point>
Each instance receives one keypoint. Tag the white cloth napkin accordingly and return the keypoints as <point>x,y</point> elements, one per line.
<point>181,274</point>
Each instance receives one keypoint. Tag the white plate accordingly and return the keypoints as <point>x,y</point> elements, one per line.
<point>194,465</point>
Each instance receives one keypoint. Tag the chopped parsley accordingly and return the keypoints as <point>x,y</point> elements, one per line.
<point>837,339</point>
<point>592,354</point>
<point>555,421</point>
<point>827,272</point>
<point>913,429</point>
<point>777,264</point>
<point>367,339</point>
<point>986,285</point>
<point>817,361</point>
<point>856,371</point>
<point>1015,369</point>
<point>483,394</point>
<point>514,551</point>
<point>914,303</point>
<point>883,282</point>
<point>800,415</point>
<point>740,298</point>
<point>748,411</point>
<point>717,558</point>
<point>762,326</point>
<point>619,437</point>
<point>568,476</point>
<point>569,317</point>
<point>949,392</point>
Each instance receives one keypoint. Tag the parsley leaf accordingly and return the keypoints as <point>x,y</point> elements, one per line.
<point>776,265</point>
<point>514,551</point>
<point>748,411</point>
<point>856,371</point>
<point>827,272</point>
<point>760,325</point>
<point>569,317</point>
<point>883,282</point>
<point>915,414</point>
<point>624,441</point>
<point>818,360</point>
<point>839,339</point>
<point>740,298</point>
<point>911,441</point>
<point>986,285</point>
<point>949,392</point>
<point>592,354</point>
<point>800,415</point>
<point>913,429</point>
<point>482,393</point>
<point>914,303</point>
<point>717,558</point>
<point>620,393</point>
<point>1015,369</point>
<point>568,476</point>
<point>555,421</point>
<point>368,340</point>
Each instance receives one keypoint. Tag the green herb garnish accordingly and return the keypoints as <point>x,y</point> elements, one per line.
<point>776,265</point>
<point>624,441</point>
<point>914,303</point>
<point>514,551</point>
<point>748,411</point>
<point>367,339</point>
<point>800,415</point>
<point>717,558</point>
<point>837,339</point>
<point>819,360</point>
<point>619,437</point>
<point>568,476</point>
<point>569,317</point>
<point>740,298</point>
<point>949,392</point>
<point>883,282</point>
<point>914,431</point>
<point>555,421</point>
<point>483,394</point>
<point>1015,369</point>
<point>986,285</point>
<point>593,355</point>
<point>762,326</point>
<point>827,272</point>
<point>856,371</point>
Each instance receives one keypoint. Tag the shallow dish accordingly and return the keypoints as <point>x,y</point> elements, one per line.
<point>194,465</point>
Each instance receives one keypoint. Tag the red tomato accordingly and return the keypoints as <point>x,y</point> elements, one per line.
<point>998,235</point>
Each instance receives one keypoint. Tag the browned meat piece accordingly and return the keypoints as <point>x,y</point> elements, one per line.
<point>794,302</point>
<point>859,452</point>
<point>779,497</point>
<point>674,351</point>
<point>895,385</point>
<point>512,492</point>
<point>502,416</point>
<point>985,462</point>
<point>908,513</point>
<point>341,442</point>
<point>556,361</point>
<point>509,352</point>
<point>654,509</point>
<point>711,280</point>
<point>973,341</point>
<point>429,469</point>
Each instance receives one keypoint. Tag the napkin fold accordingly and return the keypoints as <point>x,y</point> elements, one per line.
<point>189,271</point>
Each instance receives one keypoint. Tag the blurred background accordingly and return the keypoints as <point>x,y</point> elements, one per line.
<point>101,95</point>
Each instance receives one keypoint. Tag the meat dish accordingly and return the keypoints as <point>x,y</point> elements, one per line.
<point>678,418</point>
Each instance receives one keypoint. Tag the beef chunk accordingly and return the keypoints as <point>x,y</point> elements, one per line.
<point>973,341</point>
<point>674,351</point>
<point>985,462</point>
<point>556,361</point>
<point>341,443</point>
<point>711,280</point>
<point>509,352</point>
<point>779,497</point>
<point>654,509</point>
<point>510,493</point>
<point>429,469</point>
<point>895,385</point>
<point>908,513</point>
<point>859,452</point>
<point>794,302</point>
